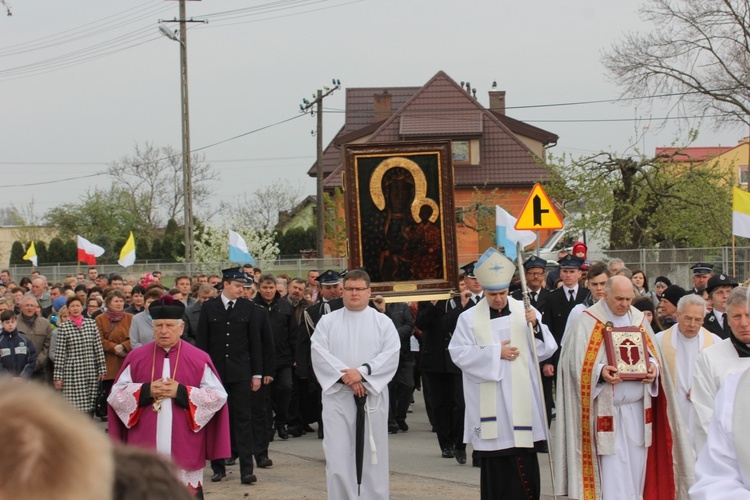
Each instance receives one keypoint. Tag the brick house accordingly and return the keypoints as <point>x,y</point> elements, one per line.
<point>495,157</point>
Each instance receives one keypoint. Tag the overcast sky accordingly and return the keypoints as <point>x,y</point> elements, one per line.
<point>83,81</point>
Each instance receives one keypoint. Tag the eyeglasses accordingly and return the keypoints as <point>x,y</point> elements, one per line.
<point>353,289</point>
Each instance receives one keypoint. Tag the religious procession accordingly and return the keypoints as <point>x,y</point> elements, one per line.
<point>422,293</point>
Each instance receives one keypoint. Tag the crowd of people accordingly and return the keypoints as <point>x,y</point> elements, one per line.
<point>217,366</point>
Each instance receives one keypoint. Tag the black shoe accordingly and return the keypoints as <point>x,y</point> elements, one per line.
<point>402,425</point>
<point>230,461</point>
<point>307,428</point>
<point>247,479</point>
<point>283,433</point>
<point>460,456</point>
<point>264,462</point>
<point>392,429</point>
<point>295,431</point>
<point>218,476</point>
<point>448,453</point>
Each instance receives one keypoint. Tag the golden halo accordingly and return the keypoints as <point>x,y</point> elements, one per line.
<point>420,186</point>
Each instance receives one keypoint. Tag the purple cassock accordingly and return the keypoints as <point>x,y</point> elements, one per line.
<point>194,434</point>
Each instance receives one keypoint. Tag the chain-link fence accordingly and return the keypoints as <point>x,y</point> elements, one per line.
<point>674,263</point>
<point>293,267</point>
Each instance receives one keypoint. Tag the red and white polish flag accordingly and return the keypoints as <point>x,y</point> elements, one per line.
<point>88,252</point>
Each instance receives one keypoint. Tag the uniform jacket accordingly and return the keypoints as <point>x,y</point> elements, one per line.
<point>556,311</point>
<point>233,339</point>
<point>306,329</point>
<point>283,327</point>
<point>17,354</point>
<point>190,317</point>
<point>712,325</point>
<point>541,298</point>
<point>437,323</point>
<point>403,320</point>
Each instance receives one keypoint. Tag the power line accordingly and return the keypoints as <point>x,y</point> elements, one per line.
<point>41,183</point>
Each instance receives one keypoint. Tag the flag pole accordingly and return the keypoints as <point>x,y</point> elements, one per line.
<point>531,341</point>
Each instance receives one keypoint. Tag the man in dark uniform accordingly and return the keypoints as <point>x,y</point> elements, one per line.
<point>534,269</point>
<point>716,321</point>
<point>229,330</point>
<point>556,311</point>
<point>297,299</point>
<point>442,378</point>
<point>329,299</point>
<point>701,274</point>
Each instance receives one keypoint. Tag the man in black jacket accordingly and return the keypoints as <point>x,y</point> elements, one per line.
<point>716,321</point>
<point>329,300</point>
<point>283,325</point>
<point>534,270</point>
<point>555,315</point>
<point>229,330</point>
<point>442,378</point>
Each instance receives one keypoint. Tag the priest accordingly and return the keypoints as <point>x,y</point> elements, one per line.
<point>355,352</point>
<point>168,397</point>
<point>680,345</point>
<point>617,439</point>
<point>716,363</point>
<point>504,418</point>
<point>723,468</point>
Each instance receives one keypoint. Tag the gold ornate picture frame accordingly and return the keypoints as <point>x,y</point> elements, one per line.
<point>400,218</point>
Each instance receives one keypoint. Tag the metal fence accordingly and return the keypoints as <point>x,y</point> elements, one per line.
<point>293,267</point>
<point>673,263</point>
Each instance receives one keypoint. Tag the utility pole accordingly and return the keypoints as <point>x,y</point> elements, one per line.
<point>304,108</point>
<point>187,181</point>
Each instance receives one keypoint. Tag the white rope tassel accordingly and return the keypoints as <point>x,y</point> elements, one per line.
<point>373,448</point>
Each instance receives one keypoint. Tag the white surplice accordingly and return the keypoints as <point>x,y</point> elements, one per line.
<point>686,354</point>
<point>122,400</point>
<point>350,339</point>
<point>714,364</point>
<point>480,364</point>
<point>719,474</point>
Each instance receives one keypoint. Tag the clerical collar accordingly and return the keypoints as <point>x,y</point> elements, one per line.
<point>499,313</point>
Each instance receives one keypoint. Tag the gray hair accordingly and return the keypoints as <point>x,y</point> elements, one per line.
<point>737,297</point>
<point>624,271</point>
<point>281,283</point>
<point>615,261</point>
<point>691,300</point>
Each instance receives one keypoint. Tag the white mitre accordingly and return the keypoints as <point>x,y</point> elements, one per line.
<point>494,270</point>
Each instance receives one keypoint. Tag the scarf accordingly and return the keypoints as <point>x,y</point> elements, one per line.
<point>77,320</point>
<point>30,321</point>
<point>114,317</point>
<point>742,349</point>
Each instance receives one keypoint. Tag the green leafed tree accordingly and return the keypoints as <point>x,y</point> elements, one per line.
<point>101,216</point>
<point>644,202</point>
<point>56,251</point>
<point>41,253</point>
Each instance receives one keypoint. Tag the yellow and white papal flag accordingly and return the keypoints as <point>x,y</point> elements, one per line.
<point>741,213</point>
<point>127,254</point>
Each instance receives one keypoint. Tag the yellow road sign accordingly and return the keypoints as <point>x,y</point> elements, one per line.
<point>538,212</point>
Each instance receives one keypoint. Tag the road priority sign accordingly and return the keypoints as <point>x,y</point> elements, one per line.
<point>538,212</point>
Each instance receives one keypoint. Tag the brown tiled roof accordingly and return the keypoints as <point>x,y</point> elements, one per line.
<point>522,128</point>
<point>504,159</point>
<point>360,104</point>
<point>697,154</point>
<point>459,123</point>
<point>441,108</point>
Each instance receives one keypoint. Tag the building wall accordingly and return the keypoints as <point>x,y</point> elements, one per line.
<point>8,234</point>
<point>305,219</point>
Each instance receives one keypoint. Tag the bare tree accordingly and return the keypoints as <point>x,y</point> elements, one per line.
<point>260,210</point>
<point>698,52</point>
<point>153,177</point>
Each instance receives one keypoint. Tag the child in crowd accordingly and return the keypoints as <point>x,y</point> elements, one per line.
<point>17,352</point>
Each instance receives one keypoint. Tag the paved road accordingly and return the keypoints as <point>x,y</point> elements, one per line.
<point>417,469</point>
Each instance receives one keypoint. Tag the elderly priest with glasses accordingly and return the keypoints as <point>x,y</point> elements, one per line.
<point>169,398</point>
<point>492,345</point>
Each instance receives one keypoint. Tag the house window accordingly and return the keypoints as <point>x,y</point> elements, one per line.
<point>743,175</point>
<point>461,152</point>
<point>465,152</point>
